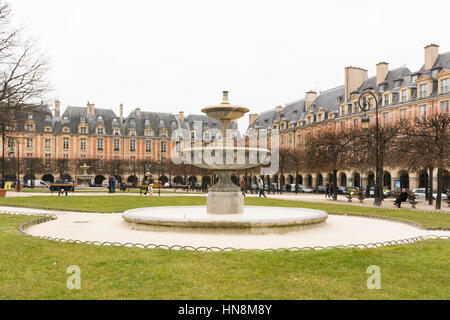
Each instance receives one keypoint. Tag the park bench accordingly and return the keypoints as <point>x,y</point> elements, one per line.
<point>62,188</point>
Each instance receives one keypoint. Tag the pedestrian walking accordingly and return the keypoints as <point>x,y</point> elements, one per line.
<point>261,187</point>
<point>327,190</point>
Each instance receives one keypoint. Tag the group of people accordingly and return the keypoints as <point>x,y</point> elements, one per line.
<point>112,183</point>
<point>243,187</point>
<point>329,190</point>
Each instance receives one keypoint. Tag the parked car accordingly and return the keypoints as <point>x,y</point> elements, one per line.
<point>321,189</point>
<point>304,189</point>
<point>420,194</point>
<point>353,190</point>
<point>38,183</point>
<point>342,190</point>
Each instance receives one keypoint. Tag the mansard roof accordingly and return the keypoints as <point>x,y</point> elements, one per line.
<point>330,100</point>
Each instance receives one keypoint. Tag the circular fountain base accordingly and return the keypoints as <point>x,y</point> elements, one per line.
<point>258,219</point>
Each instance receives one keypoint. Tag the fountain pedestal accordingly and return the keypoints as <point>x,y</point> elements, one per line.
<point>225,197</point>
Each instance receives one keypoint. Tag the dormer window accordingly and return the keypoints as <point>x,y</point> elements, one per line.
<point>30,116</point>
<point>66,117</point>
<point>404,95</point>
<point>100,130</point>
<point>386,99</point>
<point>48,118</point>
<point>117,132</point>
<point>414,78</point>
<point>398,83</point>
<point>434,72</point>
<point>382,87</point>
<point>82,119</point>
<point>423,90</point>
<point>132,132</point>
<point>445,86</point>
<point>100,118</point>
<point>163,133</point>
<point>66,130</point>
<point>83,130</point>
<point>29,127</point>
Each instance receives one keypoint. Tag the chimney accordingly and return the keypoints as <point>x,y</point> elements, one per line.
<point>382,72</point>
<point>180,116</point>
<point>252,118</point>
<point>90,109</point>
<point>138,112</point>
<point>354,78</point>
<point>310,97</point>
<point>57,108</point>
<point>431,54</point>
<point>121,113</point>
<point>279,109</point>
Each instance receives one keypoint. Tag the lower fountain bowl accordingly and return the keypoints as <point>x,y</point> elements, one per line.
<point>264,219</point>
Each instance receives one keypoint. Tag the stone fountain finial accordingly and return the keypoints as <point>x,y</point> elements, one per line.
<point>225,98</point>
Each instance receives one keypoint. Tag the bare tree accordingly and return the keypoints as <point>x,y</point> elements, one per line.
<point>329,150</point>
<point>22,76</point>
<point>364,151</point>
<point>429,137</point>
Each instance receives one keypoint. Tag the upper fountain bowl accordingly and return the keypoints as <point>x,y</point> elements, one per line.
<point>225,111</point>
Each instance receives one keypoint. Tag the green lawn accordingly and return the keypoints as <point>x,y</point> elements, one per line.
<point>429,220</point>
<point>36,269</point>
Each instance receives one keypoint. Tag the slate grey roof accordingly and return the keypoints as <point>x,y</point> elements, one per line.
<point>328,100</point>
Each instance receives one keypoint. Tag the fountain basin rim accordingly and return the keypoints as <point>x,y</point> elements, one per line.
<point>196,217</point>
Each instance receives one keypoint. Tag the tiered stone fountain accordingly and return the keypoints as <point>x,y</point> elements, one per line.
<point>225,202</point>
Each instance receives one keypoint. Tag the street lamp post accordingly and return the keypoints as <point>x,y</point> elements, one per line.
<point>365,106</point>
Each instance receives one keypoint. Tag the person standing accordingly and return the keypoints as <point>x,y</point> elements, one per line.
<point>242,186</point>
<point>327,190</point>
<point>114,182</point>
<point>261,187</point>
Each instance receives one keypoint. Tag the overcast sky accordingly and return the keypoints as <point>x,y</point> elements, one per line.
<point>179,55</point>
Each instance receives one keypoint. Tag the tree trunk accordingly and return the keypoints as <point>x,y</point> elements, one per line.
<point>430,185</point>
<point>439,189</point>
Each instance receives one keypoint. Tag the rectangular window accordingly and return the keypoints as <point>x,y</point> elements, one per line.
<point>386,99</point>
<point>11,143</point>
<point>385,118</point>
<point>148,133</point>
<point>444,106</point>
<point>47,143</point>
<point>423,90</point>
<point>423,111</point>
<point>178,146</point>
<point>83,144</point>
<point>148,145</point>
<point>83,130</point>
<point>404,95</point>
<point>132,145</point>
<point>117,132</point>
<point>100,144</point>
<point>402,113</point>
<point>350,109</point>
<point>356,123</point>
<point>116,144</point>
<point>99,130</point>
<point>65,143</point>
<point>163,146</point>
<point>444,86</point>
<point>343,125</point>
<point>29,142</point>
